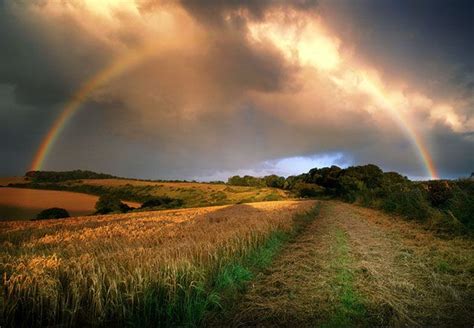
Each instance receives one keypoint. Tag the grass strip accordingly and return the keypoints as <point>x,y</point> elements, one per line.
<point>350,310</point>
<point>232,279</point>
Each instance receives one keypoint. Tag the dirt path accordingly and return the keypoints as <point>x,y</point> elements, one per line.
<point>358,267</point>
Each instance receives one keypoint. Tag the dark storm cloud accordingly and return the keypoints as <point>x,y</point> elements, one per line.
<point>21,128</point>
<point>44,58</point>
<point>214,99</point>
<point>218,141</point>
<point>430,41</point>
<point>455,157</point>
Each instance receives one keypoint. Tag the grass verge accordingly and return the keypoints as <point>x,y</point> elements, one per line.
<point>231,280</point>
<point>350,310</point>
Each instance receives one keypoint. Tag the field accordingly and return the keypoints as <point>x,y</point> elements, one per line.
<point>16,203</point>
<point>194,193</point>
<point>306,263</point>
<point>7,180</point>
<point>139,267</point>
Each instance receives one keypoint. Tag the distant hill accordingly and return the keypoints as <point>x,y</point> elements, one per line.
<point>52,176</point>
<point>190,194</point>
<point>450,200</point>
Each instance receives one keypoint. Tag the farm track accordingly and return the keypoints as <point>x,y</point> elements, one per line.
<point>358,267</point>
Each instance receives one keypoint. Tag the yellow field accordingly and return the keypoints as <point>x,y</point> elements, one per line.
<point>25,203</point>
<point>102,268</point>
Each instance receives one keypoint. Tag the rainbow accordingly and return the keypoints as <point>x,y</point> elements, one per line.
<point>423,152</point>
<point>118,67</point>
<point>371,88</point>
<point>133,58</point>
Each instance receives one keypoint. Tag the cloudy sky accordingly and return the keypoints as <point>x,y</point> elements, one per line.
<point>205,89</point>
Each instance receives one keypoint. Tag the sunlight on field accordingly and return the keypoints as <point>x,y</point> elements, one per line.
<point>106,268</point>
<point>19,203</point>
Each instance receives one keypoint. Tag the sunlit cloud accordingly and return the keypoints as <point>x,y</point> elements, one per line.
<point>305,41</point>
<point>301,38</point>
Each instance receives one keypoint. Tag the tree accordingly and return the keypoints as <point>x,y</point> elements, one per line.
<point>439,193</point>
<point>236,180</point>
<point>163,202</point>
<point>109,204</point>
<point>308,190</point>
<point>274,181</point>
<point>370,174</point>
<point>52,213</point>
<point>326,176</point>
<point>391,178</point>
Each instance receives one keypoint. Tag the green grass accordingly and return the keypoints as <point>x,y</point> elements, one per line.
<point>350,310</point>
<point>232,280</point>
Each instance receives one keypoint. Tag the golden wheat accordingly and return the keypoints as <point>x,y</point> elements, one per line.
<point>101,267</point>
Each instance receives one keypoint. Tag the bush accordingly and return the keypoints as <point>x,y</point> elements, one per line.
<point>274,181</point>
<point>391,178</point>
<point>246,181</point>
<point>461,204</point>
<point>162,202</point>
<point>326,177</point>
<point>407,201</point>
<point>52,176</point>
<point>271,197</point>
<point>110,204</point>
<point>52,213</point>
<point>308,190</point>
<point>350,188</point>
<point>439,193</point>
<point>292,181</point>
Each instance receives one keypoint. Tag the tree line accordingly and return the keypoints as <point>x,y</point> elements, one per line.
<point>451,202</point>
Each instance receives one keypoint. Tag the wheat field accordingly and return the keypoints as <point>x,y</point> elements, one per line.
<point>128,267</point>
<point>21,203</point>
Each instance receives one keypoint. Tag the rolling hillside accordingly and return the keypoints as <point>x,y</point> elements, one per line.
<point>23,197</point>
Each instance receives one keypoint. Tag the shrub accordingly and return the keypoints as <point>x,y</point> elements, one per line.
<point>350,188</point>
<point>292,181</point>
<point>272,197</point>
<point>371,175</point>
<point>391,178</point>
<point>162,202</point>
<point>308,190</point>
<point>326,176</point>
<point>439,193</point>
<point>274,181</point>
<point>407,201</point>
<point>52,213</point>
<point>246,181</point>
<point>109,204</point>
<point>52,176</point>
<point>461,204</point>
